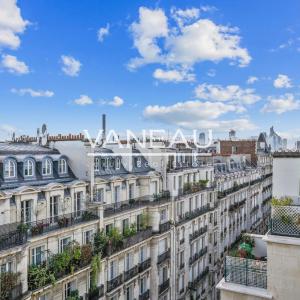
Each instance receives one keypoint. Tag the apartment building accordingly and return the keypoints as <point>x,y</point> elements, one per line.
<point>83,222</point>
<point>274,272</point>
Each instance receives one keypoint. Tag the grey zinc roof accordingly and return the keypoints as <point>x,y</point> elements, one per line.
<point>8,148</point>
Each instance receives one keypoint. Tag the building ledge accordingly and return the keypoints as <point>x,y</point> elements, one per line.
<point>281,239</point>
<point>243,289</point>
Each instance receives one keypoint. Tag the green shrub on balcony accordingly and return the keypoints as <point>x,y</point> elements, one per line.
<point>39,276</point>
<point>8,281</point>
<point>130,230</point>
<point>286,201</point>
<point>74,295</point>
<point>187,187</point>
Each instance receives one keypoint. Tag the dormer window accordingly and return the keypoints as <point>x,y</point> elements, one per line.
<point>138,162</point>
<point>28,167</point>
<point>9,169</point>
<point>62,166</point>
<point>97,164</point>
<point>47,167</point>
<point>118,163</point>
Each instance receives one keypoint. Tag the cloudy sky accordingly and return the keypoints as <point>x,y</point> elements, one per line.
<point>150,64</point>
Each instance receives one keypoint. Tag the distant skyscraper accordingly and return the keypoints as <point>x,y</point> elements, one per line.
<point>298,145</point>
<point>202,138</point>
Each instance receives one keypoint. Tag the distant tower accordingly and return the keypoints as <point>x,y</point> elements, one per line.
<point>232,134</point>
<point>202,138</point>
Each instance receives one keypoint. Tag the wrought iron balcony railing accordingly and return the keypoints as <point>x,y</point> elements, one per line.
<point>164,256</point>
<point>198,233</point>
<point>164,227</point>
<point>131,273</point>
<point>194,283</point>
<point>164,286</point>
<point>196,256</point>
<point>145,295</point>
<point>96,293</point>
<point>146,264</point>
<point>114,283</point>
<point>245,271</point>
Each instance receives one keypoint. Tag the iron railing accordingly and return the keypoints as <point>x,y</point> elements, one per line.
<point>285,220</point>
<point>164,227</point>
<point>96,293</point>
<point>194,213</point>
<point>164,286</point>
<point>195,282</point>
<point>131,273</point>
<point>146,264</point>
<point>145,295</point>
<point>114,283</point>
<point>245,271</point>
<point>12,239</point>
<point>197,255</point>
<point>164,256</point>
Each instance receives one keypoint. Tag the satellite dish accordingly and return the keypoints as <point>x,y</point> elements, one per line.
<point>44,128</point>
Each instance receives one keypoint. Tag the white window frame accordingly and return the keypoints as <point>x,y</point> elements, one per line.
<point>34,255</point>
<point>28,167</point>
<point>9,169</point>
<point>63,246</point>
<point>62,166</point>
<point>47,167</point>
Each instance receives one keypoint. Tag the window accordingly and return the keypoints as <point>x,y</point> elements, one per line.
<point>138,162</point>
<point>118,163</point>
<point>43,297</point>
<point>163,216</point>
<point>53,208</point>
<point>163,274</point>
<point>87,237</point>
<point>26,211</point>
<point>64,243</point>
<point>28,168</point>
<point>6,267</point>
<point>143,285</point>
<point>128,261</point>
<point>37,255</point>
<point>78,198</point>
<point>113,269</point>
<point>97,164</point>
<point>69,287</point>
<point>47,167</point>
<point>125,225</point>
<point>9,169</point>
<point>100,195</point>
<point>129,292</point>
<point>162,246</point>
<point>62,166</point>
<point>143,253</point>
<point>131,190</point>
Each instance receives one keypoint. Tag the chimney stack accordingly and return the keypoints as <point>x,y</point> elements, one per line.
<point>103,127</point>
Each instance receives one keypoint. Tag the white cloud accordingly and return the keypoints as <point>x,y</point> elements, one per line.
<point>116,101</point>
<point>83,100</point>
<point>183,16</point>
<point>103,32</point>
<point>71,66</point>
<point>252,79</point>
<point>153,24</point>
<point>173,75</point>
<point>11,24</point>
<point>184,45</point>
<point>282,81</point>
<point>13,65</point>
<point>33,93</point>
<point>281,104</point>
<point>229,93</point>
<point>196,114</point>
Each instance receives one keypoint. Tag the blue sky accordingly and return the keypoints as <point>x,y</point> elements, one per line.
<point>147,64</point>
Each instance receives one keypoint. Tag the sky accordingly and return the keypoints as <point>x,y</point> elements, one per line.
<point>201,65</point>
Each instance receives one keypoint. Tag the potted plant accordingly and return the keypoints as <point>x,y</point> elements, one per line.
<point>37,229</point>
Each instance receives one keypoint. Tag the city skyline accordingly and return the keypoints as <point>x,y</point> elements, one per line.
<point>197,65</point>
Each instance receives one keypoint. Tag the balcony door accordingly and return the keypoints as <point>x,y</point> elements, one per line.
<point>117,195</point>
<point>78,197</point>
<point>26,211</point>
<point>53,208</point>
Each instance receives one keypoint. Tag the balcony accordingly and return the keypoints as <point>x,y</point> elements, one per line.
<point>245,271</point>
<point>122,206</point>
<point>198,233</point>
<point>164,256</point>
<point>235,188</point>
<point>193,284</point>
<point>196,256</point>
<point>10,286</point>
<point>131,273</point>
<point>96,293</point>
<point>128,242</point>
<point>254,209</point>
<point>114,283</point>
<point>16,233</point>
<point>146,264</point>
<point>164,286</point>
<point>164,227</point>
<point>191,188</point>
<point>194,213</point>
<point>145,295</point>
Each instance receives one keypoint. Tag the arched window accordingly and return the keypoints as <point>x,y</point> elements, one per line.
<point>47,167</point>
<point>62,166</point>
<point>9,169</point>
<point>28,167</point>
